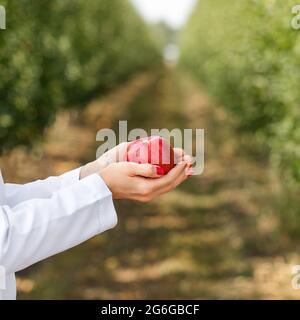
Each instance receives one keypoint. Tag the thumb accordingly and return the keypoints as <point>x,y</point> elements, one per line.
<point>145,170</point>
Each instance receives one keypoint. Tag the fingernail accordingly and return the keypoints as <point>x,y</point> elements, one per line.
<point>189,172</point>
<point>159,170</point>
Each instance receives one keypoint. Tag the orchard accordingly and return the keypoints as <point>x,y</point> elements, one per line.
<point>247,55</point>
<point>57,54</point>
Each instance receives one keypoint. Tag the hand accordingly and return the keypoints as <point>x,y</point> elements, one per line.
<point>116,154</point>
<point>141,182</point>
<point>179,156</point>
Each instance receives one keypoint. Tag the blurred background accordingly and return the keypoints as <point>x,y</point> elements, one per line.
<point>69,68</point>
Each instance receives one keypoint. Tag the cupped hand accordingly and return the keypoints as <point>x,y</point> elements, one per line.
<point>118,154</point>
<point>141,182</point>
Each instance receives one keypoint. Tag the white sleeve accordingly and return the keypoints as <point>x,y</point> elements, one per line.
<point>36,229</point>
<point>42,189</point>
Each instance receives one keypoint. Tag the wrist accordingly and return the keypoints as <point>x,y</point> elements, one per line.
<point>106,177</point>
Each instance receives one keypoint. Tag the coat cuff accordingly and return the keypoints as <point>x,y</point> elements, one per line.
<point>69,178</point>
<point>99,190</point>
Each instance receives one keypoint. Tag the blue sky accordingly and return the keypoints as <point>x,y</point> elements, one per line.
<point>173,12</point>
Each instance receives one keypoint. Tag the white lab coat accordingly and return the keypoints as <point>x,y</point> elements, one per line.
<point>43,218</point>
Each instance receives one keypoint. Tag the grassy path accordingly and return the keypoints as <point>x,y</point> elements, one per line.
<point>212,238</point>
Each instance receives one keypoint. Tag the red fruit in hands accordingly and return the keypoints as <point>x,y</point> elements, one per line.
<point>154,150</point>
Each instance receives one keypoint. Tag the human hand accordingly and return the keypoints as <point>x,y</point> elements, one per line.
<point>141,182</point>
<point>116,154</point>
<point>179,156</point>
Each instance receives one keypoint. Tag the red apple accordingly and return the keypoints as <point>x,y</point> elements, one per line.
<point>154,150</point>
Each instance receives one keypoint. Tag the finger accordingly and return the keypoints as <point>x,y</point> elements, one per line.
<point>178,155</point>
<point>188,159</point>
<point>159,189</point>
<point>184,175</point>
<point>145,170</point>
<point>179,179</point>
<point>175,172</point>
<point>189,171</point>
<point>165,181</point>
<point>168,182</point>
